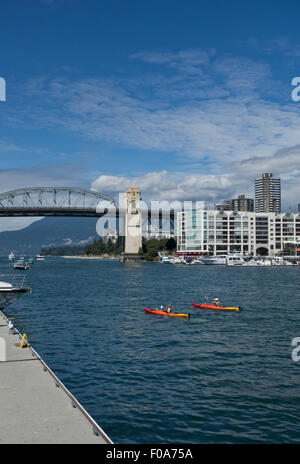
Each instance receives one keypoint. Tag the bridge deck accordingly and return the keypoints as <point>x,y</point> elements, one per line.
<point>35,407</point>
<point>51,211</point>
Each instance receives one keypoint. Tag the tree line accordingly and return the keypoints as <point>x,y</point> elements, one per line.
<point>150,248</point>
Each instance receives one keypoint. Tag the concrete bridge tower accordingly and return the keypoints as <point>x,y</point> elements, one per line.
<point>133,224</point>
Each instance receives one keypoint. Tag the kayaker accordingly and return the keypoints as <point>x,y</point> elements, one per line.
<point>217,302</point>
<point>169,308</point>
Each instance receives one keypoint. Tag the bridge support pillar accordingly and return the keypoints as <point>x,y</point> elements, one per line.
<point>133,225</point>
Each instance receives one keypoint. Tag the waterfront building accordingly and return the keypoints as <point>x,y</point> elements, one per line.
<point>267,194</point>
<point>218,232</point>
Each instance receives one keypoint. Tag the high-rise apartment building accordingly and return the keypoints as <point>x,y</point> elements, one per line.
<point>241,203</point>
<point>267,194</point>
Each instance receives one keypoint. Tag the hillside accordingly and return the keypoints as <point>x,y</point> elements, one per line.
<point>49,232</point>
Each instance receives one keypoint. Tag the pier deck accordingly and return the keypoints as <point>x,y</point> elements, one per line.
<point>35,407</point>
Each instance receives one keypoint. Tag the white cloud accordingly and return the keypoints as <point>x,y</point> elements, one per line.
<point>168,186</point>
<point>237,179</point>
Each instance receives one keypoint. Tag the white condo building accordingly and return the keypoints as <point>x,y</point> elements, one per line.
<point>219,232</point>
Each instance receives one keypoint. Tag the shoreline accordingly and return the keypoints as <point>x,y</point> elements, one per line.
<point>89,257</point>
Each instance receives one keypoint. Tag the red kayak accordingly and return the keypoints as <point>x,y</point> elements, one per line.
<point>159,312</point>
<point>210,306</point>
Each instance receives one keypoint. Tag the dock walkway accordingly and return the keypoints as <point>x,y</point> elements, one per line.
<point>35,407</point>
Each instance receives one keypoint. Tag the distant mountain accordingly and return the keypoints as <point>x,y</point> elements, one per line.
<point>49,232</point>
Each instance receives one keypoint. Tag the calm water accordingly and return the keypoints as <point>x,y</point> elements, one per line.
<point>216,378</point>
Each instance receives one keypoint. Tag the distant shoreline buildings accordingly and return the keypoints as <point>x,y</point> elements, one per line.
<point>241,203</point>
<point>241,225</point>
<point>267,197</point>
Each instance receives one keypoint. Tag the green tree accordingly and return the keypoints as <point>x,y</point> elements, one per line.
<point>151,254</point>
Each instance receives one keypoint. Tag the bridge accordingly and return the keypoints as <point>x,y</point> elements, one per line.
<point>76,202</point>
<point>54,201</point>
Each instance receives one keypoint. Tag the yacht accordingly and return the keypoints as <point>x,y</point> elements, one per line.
<point>11,256</point>
<point>176,260</point>
<point>219,259</point>
<point>235,261</point>
<point>10,293</point>
<point>40,257</point>
<point>269,261</point>
<point>21,265</point>
<point>229,260</point>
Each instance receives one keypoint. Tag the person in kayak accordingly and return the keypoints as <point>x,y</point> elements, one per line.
<point>169,308</point>
<point>217,302</point>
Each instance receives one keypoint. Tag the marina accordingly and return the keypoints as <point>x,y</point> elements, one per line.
<point>231,260</point>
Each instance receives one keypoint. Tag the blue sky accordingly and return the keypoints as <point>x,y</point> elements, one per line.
<point>188,100</point>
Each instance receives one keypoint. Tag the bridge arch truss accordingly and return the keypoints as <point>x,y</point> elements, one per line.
<point>54,201</point>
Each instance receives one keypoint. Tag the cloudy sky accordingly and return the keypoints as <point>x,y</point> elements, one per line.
<point>188,100</point>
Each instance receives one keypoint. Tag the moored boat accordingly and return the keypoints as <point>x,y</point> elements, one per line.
<point>235,261</point>
<point>220,259</point>
<point>10,293</point>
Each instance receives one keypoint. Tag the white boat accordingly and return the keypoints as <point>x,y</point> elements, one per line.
<point>267,261</point>
<point>219,259</point>
<point>176,260</point>
<point>40,257</point>
<point>21,265</point>
<point>165,259</point>
<point>235,261</point>
<point>11,256</point>
<point>10,293</point>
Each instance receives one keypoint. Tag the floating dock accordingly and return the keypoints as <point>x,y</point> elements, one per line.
<point>35,407</point>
